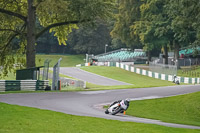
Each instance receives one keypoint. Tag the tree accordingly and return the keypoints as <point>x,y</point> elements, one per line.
<point>185,23</point>
<point>128,13</point>
<point>48,43</point>
<point>152,26</point>
<point>18,20</point>
<point>90,40</point>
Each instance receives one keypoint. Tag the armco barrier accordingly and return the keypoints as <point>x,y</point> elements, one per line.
<point>156,75</point>
<point>161,76</point>
<point>25,85</point>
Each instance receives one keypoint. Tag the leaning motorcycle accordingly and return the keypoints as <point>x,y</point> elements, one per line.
<point>117,107</point>
<point>176,80</point>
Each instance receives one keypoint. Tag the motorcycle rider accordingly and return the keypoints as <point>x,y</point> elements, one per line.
<point>175,80</point>
<point>127,103</point>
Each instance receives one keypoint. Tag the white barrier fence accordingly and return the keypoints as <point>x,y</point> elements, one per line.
<point>25,85</point>
<point>156,75</point>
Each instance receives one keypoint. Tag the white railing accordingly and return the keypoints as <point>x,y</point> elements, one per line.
<point>25,85</point>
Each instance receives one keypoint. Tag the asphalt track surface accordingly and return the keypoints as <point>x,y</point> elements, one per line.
<point>89,103</point>
<point>90,77</point>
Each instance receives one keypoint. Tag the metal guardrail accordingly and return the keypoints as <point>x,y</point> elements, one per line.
<point>25,85</point>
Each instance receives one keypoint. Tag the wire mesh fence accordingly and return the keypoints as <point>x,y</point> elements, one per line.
<point>67,83</point>
<point>162,68</point>
<point>189,61</point>
<point>46,70</point>
<point>56,78</point>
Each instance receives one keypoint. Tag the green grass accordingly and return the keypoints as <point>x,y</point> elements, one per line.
<point>67,60</point>
<point>184,109</point>
<point>18,119</point>
<point>138,81</point>
<point>91,87</point>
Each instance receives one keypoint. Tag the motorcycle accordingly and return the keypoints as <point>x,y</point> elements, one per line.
<point>175,80</point>
<point>117,107</point>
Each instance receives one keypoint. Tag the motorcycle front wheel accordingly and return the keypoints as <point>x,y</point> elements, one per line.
<point>106,112</point>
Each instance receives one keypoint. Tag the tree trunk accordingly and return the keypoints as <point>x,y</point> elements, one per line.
<point>166,54</point>
<point>176,54</point>
<point>30,49</point>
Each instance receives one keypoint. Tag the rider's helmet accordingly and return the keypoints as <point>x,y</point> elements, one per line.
<point>127,99</point>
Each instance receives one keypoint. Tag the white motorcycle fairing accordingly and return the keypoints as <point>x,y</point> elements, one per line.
<point>117,107</point>
<point>111,109</point>
<point>123,106</point>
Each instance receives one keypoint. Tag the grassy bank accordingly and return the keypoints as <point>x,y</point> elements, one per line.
<point>138,81</point>
<point>16,119</point>
<point>67,60</point>
<point>184,109</point>
<point>189,72</point>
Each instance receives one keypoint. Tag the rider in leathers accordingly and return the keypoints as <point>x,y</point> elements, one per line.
<point>127,100</point>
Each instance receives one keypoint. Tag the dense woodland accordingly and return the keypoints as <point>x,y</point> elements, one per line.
<point>148,24</point>
<point>84,40</point>
<point>85,26</point>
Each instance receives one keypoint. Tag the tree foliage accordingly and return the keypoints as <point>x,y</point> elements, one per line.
<point>154,26</point>
<point>90,40</point>
<point>185,21</point>
<point>84,40</point>
<point>19,17</point>
<point>128,13</point>
<point>158,23</point>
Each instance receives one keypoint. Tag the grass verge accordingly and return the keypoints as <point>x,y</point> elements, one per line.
<point>192,72</point>
<point>67,60</point>
<point>184,109</point>
<point>31,120</point>
<point>138,81</point>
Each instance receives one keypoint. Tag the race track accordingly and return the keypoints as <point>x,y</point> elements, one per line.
<point>90,77</point>
<point>89,103</point>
